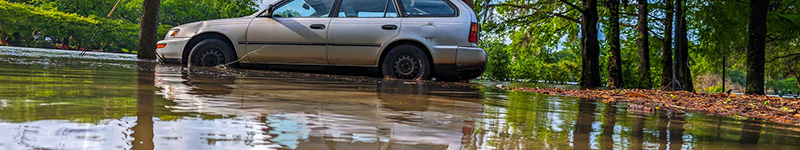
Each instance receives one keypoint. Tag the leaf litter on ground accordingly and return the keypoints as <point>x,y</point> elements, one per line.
<point>775,109</point>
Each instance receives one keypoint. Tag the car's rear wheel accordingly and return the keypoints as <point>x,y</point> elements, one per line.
<point>406,62</point>
<point>211,52</point>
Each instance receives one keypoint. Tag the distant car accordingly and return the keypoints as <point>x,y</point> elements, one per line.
<point>417,39</point>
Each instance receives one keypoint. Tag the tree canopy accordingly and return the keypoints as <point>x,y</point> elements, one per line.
<point>539,40</point>
<point>73,22</point>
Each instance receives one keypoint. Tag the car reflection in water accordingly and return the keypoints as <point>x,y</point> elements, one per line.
<point>52,100</point>
<point>316,114</point>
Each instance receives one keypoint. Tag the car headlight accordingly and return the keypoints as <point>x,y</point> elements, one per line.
<point>173,32</point>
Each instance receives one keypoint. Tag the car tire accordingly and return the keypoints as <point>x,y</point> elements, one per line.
<point>211,52</point>
<point>406,62</point>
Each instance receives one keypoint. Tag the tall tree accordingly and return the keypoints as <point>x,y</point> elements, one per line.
<point>148,30</point>
<point>682,70</point>
<point>666,48</point>
<point>755,49</point>
<point>615,60</point>
<point>644,45</point>
<point>590,73</point>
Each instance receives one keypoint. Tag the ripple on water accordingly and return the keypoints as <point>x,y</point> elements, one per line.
<point>52,99</point>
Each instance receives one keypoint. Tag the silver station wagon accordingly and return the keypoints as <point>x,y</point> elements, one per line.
<point>405,39</point>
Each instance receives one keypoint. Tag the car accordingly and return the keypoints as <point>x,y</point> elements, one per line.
<point>404,39</point>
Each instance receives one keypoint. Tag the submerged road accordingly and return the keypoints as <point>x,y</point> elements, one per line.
<point>53,99</point>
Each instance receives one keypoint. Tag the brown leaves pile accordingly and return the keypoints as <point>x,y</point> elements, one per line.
<point>775,109</point>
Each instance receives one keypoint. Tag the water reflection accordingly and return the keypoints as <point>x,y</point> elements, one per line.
<point>143,130</point>
<point>676,129</point>
<point>607,129</point>
<point>67,103</point>
<point>583,125</point>
<point>750,134</point>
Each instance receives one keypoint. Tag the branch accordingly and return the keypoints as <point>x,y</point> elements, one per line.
<point>787,7</point>
<point>572,5</point>
<point>658,36</point>
<point>620,24</point>
<point>785,56</point>
<point>560,15</point>
<point>650,16</point>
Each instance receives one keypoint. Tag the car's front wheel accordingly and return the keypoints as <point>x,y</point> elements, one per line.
<point>406,62</point>
<point>211,52</point>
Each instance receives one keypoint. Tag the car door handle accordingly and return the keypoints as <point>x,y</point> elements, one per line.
<point>389,27</point>
<point>317,26</point>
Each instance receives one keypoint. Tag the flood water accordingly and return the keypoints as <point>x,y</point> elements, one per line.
<point>57,100</point>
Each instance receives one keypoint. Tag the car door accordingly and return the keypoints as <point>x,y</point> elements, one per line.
<point>295,33</point>
<point>359,29</point>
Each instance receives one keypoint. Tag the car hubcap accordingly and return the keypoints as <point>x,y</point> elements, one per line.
<point>211,58</point>
<point>407,67</point>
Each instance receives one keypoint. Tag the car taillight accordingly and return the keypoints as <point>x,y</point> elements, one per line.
<point>473,33</point>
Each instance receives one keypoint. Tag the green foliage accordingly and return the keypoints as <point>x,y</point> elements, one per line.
<point>540,35</point>
<point>74,22</point>
<point>497,67</point>
<point>788,85</point>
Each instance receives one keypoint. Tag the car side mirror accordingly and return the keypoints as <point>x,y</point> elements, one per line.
<point>268,13</point>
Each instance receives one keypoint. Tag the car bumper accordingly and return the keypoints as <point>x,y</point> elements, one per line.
<point>470,63</point>
<point>173,52</point>
<point>470,58</point>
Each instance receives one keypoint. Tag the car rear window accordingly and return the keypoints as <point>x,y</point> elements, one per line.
<point>428,8</point>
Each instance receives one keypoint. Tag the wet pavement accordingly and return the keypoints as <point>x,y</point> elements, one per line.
<point>57,100</point>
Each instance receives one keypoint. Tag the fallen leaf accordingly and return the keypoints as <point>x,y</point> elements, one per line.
<point>638,95</point>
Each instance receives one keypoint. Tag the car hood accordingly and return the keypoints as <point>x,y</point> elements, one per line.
<point>227,21</point>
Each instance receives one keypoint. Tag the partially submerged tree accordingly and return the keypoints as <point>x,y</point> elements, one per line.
<point>148,30</point>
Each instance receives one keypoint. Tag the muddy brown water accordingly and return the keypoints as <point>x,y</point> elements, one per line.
<point>53,99</point>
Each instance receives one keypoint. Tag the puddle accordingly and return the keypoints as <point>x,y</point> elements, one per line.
<point>52,99</point>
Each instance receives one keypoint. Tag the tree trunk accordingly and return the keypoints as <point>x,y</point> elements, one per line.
<point>683,72</point>
<point>685,65</point>
<point>666,54</point>
<point>471,3</point>
<point>615,60</point>
<point>590,73</point>
<point>644,45</point>
<point>148,30</point>
<point>755,49</point>
<point>15,39</point>
<point>678,84</point>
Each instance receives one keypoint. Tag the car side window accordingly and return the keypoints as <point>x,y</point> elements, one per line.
<point>428,8</point>
<point>303,9</point>
<point>367,9</point>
